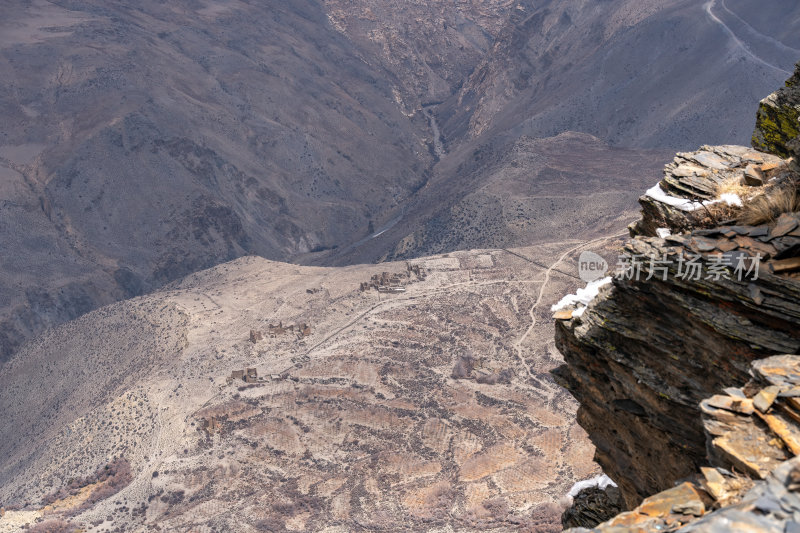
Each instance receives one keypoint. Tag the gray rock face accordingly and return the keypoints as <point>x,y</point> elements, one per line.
<point>661,360</point>
<point>592,506</point>
<point>778,123</point>
<point>754,481</point>
<point>658,344</point>
<point>695,177</point>
<point>769,507</point>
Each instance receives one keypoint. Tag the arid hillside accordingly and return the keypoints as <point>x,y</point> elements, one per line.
<point>143,142</point>
<point>522,193</point>
<point>631,72</point>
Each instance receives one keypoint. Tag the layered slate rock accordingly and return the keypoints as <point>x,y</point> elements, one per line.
<point>695,177</point>
<point>776,245</point>
<point>646,352</point>
<point>753,483</point>
<point>778,121</point>
<point>693,181</point>
<point>769,506</point>
<point>661,360</point>
<point>753,430</point>
<point>666,511</point>
<point>592,506</point>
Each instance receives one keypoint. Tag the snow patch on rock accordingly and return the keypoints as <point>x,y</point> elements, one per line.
<point>657,193</point>
<point>582,297</point>
<point>730,199</point>
<point>602,482</point>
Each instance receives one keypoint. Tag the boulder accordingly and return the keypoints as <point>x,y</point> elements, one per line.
<point>592,506</point>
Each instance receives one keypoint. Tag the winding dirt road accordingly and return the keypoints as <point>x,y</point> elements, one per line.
<point>708,7</point>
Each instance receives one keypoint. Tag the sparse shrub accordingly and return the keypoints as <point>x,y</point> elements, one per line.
<point>498,507</point>
<point>734,186</point>
<point>173,498</point>
<point>109,479</point>
<point>760,205</point>
<point>53,526</point>
<point>504,376</point>
<point>543,519</point>
<point>301,503</point>
<point>463,367</point>
<point>767,206</point>
<point>272,524</point>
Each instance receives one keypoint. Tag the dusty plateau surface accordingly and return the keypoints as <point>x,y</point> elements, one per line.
<point>265,396</point>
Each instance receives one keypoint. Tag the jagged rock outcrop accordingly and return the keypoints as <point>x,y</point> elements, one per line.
<point>752,483</point>
<point>647,352</point>
<point>592,506</point>
<point>708,285</point>
<point>778,122</point>
<point>695,177</point>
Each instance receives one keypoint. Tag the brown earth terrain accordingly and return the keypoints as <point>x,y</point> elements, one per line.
<point>429,408</point>
<point>403,396</point>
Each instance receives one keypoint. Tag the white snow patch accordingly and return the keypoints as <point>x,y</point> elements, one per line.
<point>730,199</point>
<point>663,232</point>
<point>602,482</point>
<point>582,297</point>
<point>657,193</point>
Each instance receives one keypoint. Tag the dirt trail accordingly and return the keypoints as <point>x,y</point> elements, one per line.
<point>709,6</point>
<point>534,307</point>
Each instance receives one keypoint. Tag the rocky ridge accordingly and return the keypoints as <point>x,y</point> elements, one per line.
<point>678,364</point>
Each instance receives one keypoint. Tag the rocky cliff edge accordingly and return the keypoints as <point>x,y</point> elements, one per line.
<point>679,362</point>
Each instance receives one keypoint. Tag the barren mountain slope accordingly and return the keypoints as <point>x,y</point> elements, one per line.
<point>377,418</point>
<point>650,74</point>
<point>510,192</point>
<point>537,190</point>
<point>632,72</point>
<point>762,20</point>
<point>429,46</point>
<point>145,141</point>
